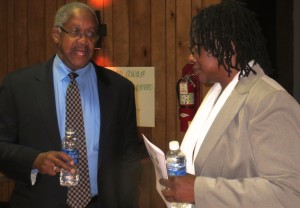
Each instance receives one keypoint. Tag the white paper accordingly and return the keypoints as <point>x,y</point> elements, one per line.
<point>158,159</point>
<point>143,79</point>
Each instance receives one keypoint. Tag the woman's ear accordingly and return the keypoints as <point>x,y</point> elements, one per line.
<point>55,34</point>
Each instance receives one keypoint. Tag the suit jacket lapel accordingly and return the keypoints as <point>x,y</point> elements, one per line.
<point>226,115</point>
<point>43,81</point>
<point>105,95</point>
<point>106,106</point>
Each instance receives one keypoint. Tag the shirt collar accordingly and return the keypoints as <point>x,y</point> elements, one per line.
<point>62,70</point>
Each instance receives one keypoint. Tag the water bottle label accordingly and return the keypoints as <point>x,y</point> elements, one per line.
<point>74,153</point>
<point>175,169</point>
<point>179,172</point>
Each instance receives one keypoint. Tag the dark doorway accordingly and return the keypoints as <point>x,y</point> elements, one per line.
<point>276,20</point>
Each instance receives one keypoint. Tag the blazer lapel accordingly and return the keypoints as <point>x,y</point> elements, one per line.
<point>220,124</point>
<point>43,81</point>
<point>226,115</point>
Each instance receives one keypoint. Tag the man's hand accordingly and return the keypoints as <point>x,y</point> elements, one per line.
<point>179,188</point>
<point>52,162</point>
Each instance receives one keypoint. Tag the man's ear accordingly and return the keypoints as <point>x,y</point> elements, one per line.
<point>55,34</point>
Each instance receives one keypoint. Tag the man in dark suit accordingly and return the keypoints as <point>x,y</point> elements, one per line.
<point>32,122</point>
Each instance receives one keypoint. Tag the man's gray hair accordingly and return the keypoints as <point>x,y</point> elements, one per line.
<point>65,12</point>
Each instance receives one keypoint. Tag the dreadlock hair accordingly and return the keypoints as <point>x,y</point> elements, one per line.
<point>229,28</point>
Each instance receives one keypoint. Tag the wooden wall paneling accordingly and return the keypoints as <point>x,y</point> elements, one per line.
<point>68,1</point>
<point>50,11</point>
<point>36,32</point>
<point>139,33</point>
<point>60,3</point>
<point>144,199</point>
<point>206,3</point>
<point>171,75</point>
<point>183,20</point>
<point>139,55</point>
<point>3,39</point>
<point>10,35</point>
<point>108,19</point>
<point>21,34</point>
<point>139,51</point>
<point>121,42</point>
<point>158,60</point>
<point>196,7</point>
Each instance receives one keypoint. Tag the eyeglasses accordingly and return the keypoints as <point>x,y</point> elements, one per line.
<point>77,34</point>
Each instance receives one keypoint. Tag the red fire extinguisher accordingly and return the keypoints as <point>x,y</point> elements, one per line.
<point>189,97</point>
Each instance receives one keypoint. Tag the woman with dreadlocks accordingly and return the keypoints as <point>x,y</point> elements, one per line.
<point>243,146</point>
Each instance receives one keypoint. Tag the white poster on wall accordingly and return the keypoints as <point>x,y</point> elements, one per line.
<point>143,79</point>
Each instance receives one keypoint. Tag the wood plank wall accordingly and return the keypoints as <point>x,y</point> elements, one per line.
<point>139,33</point>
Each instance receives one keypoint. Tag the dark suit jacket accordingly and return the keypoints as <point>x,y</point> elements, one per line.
<point>28,126</point>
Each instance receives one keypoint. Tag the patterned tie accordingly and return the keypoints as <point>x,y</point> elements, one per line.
<point>80,195</point>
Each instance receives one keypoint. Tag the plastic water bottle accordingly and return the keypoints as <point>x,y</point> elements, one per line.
<point>69,146</point>
<point>176,166</point>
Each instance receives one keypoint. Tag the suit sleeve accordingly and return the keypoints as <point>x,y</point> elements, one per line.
<point>274,139</point>
<point>130,164</point>
<point>15,160</point>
